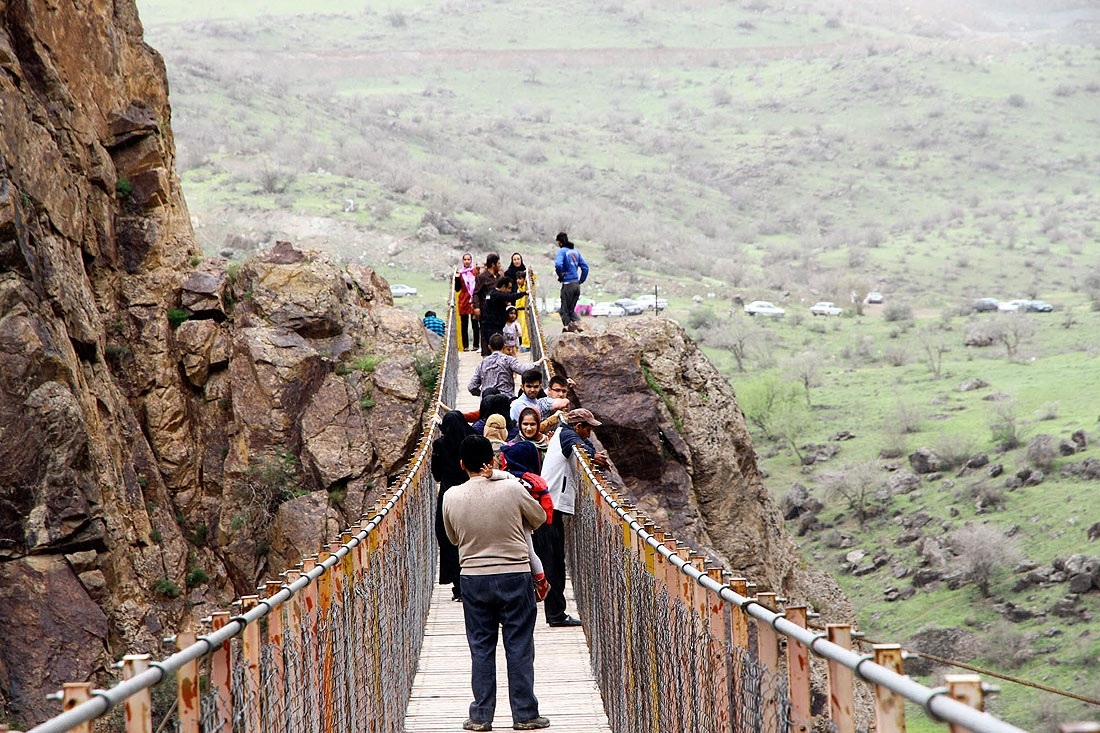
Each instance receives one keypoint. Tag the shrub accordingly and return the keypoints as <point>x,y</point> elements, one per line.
<point>897,312</point>
<point>165,588</point>
<point>907,419</point>
<point>427,368</point>
<point>953,450</point>
<point>368,363</point>
<point>1005,426</point>
<point>1049,411</point>
<point>196,577</point>
<point>176,316</point>
<point>981,554</point>
<point>124,188</point>
<point>1042,451</point>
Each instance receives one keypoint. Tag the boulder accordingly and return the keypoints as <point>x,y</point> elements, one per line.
<point>902,482</point>
<point>799,502</point>
<point>924,461</point>
<point>946,643</point>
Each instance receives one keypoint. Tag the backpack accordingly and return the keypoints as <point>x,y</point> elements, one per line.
<point>536,486</point>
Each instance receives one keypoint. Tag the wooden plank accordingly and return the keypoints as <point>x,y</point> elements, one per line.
<point>564,682</point>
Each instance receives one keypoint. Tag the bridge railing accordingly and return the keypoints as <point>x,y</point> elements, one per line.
<point>332,645</point>
<point>680,645</point>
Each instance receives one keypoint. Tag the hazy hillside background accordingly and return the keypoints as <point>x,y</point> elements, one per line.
<point>789,151</point>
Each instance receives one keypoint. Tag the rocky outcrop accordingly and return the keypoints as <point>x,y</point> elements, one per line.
<point>157,410</point>
<point>675,432</point>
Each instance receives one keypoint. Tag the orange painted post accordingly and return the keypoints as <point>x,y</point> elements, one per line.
<point>73,694</point>
<point>672,579</point>
<point>139,706</point>
<point>250,656</point>
<point>221,669</point>
<point>798,674</point>
<point>325,589</point>
<point>292,633</point>
<point>841,690</point>
<point>739,621</point>
<point>767,643</point>
<point>966,688</point>
<point>275,696</point>
<point>685,592</point>
<point>187,687</point>
<point>889,705</point>
<point>719,634</point>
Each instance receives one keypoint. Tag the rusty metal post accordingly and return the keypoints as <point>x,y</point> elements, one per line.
<point>967,689</point>
<point>739,622</point>
<point>767,642</point>
<point>720,662</point>
<point>841,689</point>
<point>275,697</point>
<point>221,674</point>
<point>250,656</point>
<point>73,694</point>
<point>187,687</point>
<point>325,590</point>
<point>139,706</point>
<point>889,705</point>
<point>798,674</point>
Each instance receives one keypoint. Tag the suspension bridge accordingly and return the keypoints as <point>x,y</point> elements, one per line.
<point>359,638</point>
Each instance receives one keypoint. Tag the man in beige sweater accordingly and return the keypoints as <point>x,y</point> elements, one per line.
<point>485,517</point>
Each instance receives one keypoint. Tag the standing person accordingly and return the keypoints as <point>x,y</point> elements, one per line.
<point>485,281</point>
<point>572,271</point>
<point>486,519</point>
<point>448,473</point>
<point>531,396</point>
<point>496,371</point>
<point>518,272</point>
<point>494,311</point>
<point>516,268</point>
<point>511,331</point>
<point>561,472</point>
<point>465,281</point>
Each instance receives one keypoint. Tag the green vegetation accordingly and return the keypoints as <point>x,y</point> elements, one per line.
<point>165,588</point>
<point>196,576</point>
<point>176,316</point>
<point>124,188</point>
<point>368,363</point>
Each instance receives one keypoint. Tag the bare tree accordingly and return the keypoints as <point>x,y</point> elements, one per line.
<point>739,337</point>
<point>981,553</point>
<point>806,370</point>
<point>934,344</point>
<point>856,483</point>
<point>1013,330</point>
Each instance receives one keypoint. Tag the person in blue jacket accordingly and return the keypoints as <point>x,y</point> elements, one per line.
<point>572,271</point>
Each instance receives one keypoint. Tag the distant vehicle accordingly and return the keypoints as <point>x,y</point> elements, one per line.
<point>1039,306</point>
<point>400,291</point>
<point>985,305</point>
<point>631,306</point>
<point>607,309</point>
<point>1012,306</point>
<point>584,306</point>
<point>764,308</point>
<point>873,297</point>
<point>826,308</point>
<point>649,302</point>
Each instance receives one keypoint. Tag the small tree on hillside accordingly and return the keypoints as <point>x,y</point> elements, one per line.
<point>982,553</point>
<point>806,370</point>
<point>762,400</point>
<point>856,483</point>
<point>1012,331</point>
<point>740,337</point>
<point>790,423</point>
<point>934,344</point>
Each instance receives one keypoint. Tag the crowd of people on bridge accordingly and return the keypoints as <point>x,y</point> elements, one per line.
<point>508,477</point>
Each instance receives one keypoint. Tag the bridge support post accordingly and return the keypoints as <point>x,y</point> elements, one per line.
<point>841,689</point>
<point>889,706</point>
<point>718,621</point>
<point>275,702</point>
<point>221,679</point>
<point>767,643</point>
<point>798,674</point>
<point>73,694</point>
<point>187,687</point>
<point>139,706</point>
<point>325,589</point>
<point>250,653</point>
<point>966,688</point>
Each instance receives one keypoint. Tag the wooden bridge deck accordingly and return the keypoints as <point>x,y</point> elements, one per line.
<point>564,683</point>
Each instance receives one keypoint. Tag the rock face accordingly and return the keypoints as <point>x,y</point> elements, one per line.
<point>673,428</point>
<point>156,410</point>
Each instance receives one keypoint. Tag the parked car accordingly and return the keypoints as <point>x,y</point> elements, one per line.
<point>985,305</point>
<point>607,309</point>
<point>1039,306</point>
<point>873,297</point>
<point>826,308</point>
<point>764,308</point>
<point>1011,306</point>
<point>631,306</point>
<point>650,302</point>
<point>400,291</point>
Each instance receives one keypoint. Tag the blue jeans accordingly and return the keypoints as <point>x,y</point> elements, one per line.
<point>507,601</point>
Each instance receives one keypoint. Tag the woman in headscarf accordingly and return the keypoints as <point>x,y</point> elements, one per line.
<point>529,430</point>
<point>447,471</point>
<point>518,272</point>
<point>465,280</point>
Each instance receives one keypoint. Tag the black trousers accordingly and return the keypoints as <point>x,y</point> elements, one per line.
<point>549,541</point>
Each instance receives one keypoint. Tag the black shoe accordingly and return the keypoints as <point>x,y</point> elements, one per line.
<point>471,724</point>
<point>533,724</point>
<point>566,621</point>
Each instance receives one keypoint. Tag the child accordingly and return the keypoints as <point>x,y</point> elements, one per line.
<point>521,460</point>
<point>511,331</point>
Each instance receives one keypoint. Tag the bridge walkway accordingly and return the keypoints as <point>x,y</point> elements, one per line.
<point>564,682</point>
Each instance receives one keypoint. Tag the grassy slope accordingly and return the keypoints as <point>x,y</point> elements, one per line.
<point>790,151</point>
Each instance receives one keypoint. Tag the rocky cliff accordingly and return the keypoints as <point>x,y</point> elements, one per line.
<point>171,429</point>
<point>679,441</point>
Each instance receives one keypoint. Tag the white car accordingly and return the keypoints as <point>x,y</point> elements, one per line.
<point>650,302</point>
<point>607,309</point>
<point>764,308</point>
<point>400,291</point>
<point>1011,306</point>
<point>826,308</point>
